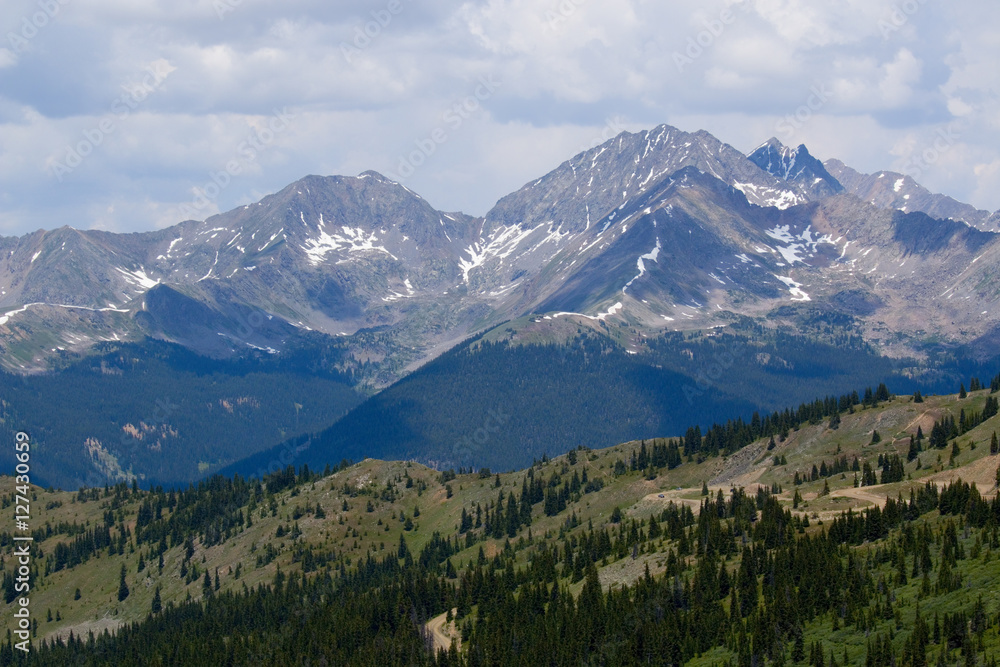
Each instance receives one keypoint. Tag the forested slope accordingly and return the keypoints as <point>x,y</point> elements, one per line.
<point>162,414</point>
<point>693,550</point>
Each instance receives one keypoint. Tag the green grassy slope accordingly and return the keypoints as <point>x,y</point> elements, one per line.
<point>370,506</point>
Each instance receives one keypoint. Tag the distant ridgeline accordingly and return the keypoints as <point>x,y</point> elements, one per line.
<point>165,415</point>
<point>499,405</point>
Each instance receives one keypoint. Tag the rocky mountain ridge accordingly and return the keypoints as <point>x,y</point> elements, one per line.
<point>659,230</point>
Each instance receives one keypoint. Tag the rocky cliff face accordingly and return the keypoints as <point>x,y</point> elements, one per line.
<point>797,166</point>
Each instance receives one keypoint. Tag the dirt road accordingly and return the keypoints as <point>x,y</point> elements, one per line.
<point>442,631</point>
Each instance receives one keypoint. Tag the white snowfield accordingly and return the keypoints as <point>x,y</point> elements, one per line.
<point>350,239</point>
<point>6,316</point>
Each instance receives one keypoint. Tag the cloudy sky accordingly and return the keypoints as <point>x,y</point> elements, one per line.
<point>131,115</point>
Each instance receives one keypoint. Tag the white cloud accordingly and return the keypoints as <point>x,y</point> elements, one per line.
<point>899,77</point>
<point>566,67</point>
<point>987,179</point>
<point>807,24</point>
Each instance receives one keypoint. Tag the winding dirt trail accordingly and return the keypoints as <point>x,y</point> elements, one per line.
<point>867,494</point>
<point>442,632</point>
<point>921,422</point>
<point>982,472</point>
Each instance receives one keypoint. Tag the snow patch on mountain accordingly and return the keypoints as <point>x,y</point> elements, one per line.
<point>396,296</point>
<point>110,309</point>
<point>803,244</point>
<point>138,278</point>
<point>772,197</point>
<point>651,255</point>
<point>350,239</point>
<point>503,241</point>
<point>794,288</point>
<point>617,308</point>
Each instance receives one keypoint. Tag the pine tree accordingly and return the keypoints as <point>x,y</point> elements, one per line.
<point>994,447</point>
<point>157,605</point>
<point>917,397</point>
<point>122,586</point>
<point>799,648</point>
<point>961,392</point>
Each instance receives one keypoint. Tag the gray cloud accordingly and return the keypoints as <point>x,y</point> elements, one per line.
<point>368,81</point>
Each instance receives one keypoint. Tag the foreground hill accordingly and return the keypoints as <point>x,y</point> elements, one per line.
<point>731,546</point>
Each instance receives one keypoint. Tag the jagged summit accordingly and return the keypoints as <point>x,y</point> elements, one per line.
<point>797,166</point>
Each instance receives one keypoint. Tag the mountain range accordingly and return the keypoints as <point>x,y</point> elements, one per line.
<point>647,237</point>
<point>662,229</point>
